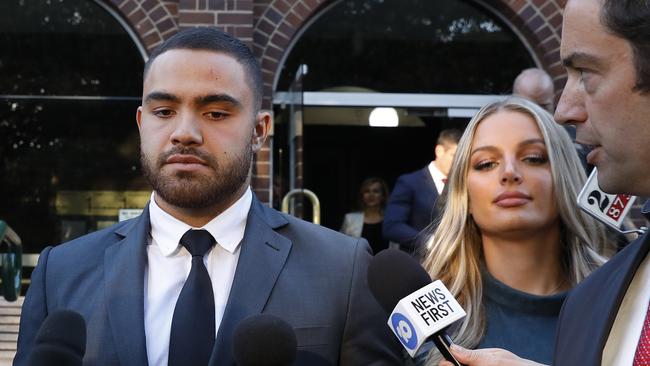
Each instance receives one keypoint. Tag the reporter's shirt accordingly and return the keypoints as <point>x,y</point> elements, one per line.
<point>169,264</point>
<point>626,330</point>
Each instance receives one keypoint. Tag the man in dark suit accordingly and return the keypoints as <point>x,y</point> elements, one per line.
<point>411,206</point>
<point>171,286</point>
<point>606,50</point>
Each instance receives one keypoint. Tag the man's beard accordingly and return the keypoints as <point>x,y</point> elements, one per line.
<point>194,190</point>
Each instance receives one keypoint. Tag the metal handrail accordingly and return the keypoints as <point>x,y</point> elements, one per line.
<point>10,262</point>
<point>7,232</point>
<point>315,203</point>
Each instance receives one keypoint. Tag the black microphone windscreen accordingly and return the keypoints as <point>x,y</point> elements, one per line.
<point>306,358</point>
<point>61,340</point>
<point>264,340</point>
<point>393,275</point>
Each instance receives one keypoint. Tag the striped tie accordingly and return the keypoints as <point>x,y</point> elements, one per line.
<point>642,355</point>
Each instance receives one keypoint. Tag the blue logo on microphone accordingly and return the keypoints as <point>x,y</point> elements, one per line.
<point>404,331</point>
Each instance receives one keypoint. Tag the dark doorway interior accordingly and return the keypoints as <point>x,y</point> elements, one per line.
<point>338,158</point>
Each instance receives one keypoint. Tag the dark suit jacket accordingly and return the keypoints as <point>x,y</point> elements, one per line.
<point>590,310</point>
<point>411,208</point>
<point>312,277</point>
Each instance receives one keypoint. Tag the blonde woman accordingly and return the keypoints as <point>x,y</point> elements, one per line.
<point>368,222</point>
<point>511,240</point>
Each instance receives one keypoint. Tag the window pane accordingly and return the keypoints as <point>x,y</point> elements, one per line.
<point>69,155</point>
<point>53,153</point>
<point>65,47</point>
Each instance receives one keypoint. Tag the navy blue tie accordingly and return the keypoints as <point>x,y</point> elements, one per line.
<point>192,336</point>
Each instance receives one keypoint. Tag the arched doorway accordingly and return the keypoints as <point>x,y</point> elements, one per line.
<point>425,59</point>
<point>71,84</point>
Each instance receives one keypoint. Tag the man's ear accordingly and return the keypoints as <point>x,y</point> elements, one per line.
<point>439,151</point>
<point>261,130</point>
<point>138,117</point>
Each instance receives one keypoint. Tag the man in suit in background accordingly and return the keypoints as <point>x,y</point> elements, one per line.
<point>606,50</point>
<point>170,286</point>
<point>411,206</point>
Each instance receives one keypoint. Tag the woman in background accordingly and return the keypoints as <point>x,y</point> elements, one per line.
<point>511,240</point>
<point>368,222</point>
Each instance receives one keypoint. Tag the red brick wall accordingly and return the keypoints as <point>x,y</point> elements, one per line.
<point>233,16</point>
<point>156,20</point>
<point>269,26</point>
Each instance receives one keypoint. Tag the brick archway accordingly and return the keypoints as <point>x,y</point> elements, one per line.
<point>538,21</point>
<point>274,30</point>
<point>152,21</point>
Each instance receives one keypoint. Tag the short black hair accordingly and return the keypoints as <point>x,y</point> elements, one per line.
<point>630,20</point>
<point>215,40</point>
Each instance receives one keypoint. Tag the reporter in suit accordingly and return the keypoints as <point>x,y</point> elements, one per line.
<point>200,124</point>
<point>411,206</point>
<point>607,97</point>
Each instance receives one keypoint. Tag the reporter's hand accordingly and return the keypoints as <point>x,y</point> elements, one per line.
<point>487,357</point>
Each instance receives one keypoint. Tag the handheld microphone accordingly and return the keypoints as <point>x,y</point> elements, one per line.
<point>61,341</point>
<point>420,310</point>
<point>264,340</point>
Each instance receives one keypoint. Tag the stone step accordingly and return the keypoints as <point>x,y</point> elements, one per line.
<point>9,322</point>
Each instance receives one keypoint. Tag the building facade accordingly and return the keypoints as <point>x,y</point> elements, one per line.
<point>272,27</point>
<point>73,79</point>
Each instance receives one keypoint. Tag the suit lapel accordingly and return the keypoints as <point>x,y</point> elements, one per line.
<point>611,296</point>
<point>262,257</point>
<point>430,193</point>
<point>124,264</point>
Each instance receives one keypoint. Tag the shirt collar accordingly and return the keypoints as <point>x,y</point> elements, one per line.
<point>227,228</point>
<point>436,174</point>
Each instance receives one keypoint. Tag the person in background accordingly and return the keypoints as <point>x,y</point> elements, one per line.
<point>511,241</point>
<point>171,286</point>
<point>535,85</point>
<point>368,222</point>
<point>411,206</point>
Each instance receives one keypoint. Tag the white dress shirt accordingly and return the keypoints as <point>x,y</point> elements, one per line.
<point>437,176</point>
<point>169,264</point>
<point>626,330</point>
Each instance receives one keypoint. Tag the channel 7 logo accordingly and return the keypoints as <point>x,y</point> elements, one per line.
<point>404,330</point>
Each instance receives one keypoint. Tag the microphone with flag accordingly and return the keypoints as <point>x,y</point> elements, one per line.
<point>420,310</point>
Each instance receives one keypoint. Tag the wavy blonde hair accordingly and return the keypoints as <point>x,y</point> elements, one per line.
<point>454,251</point>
